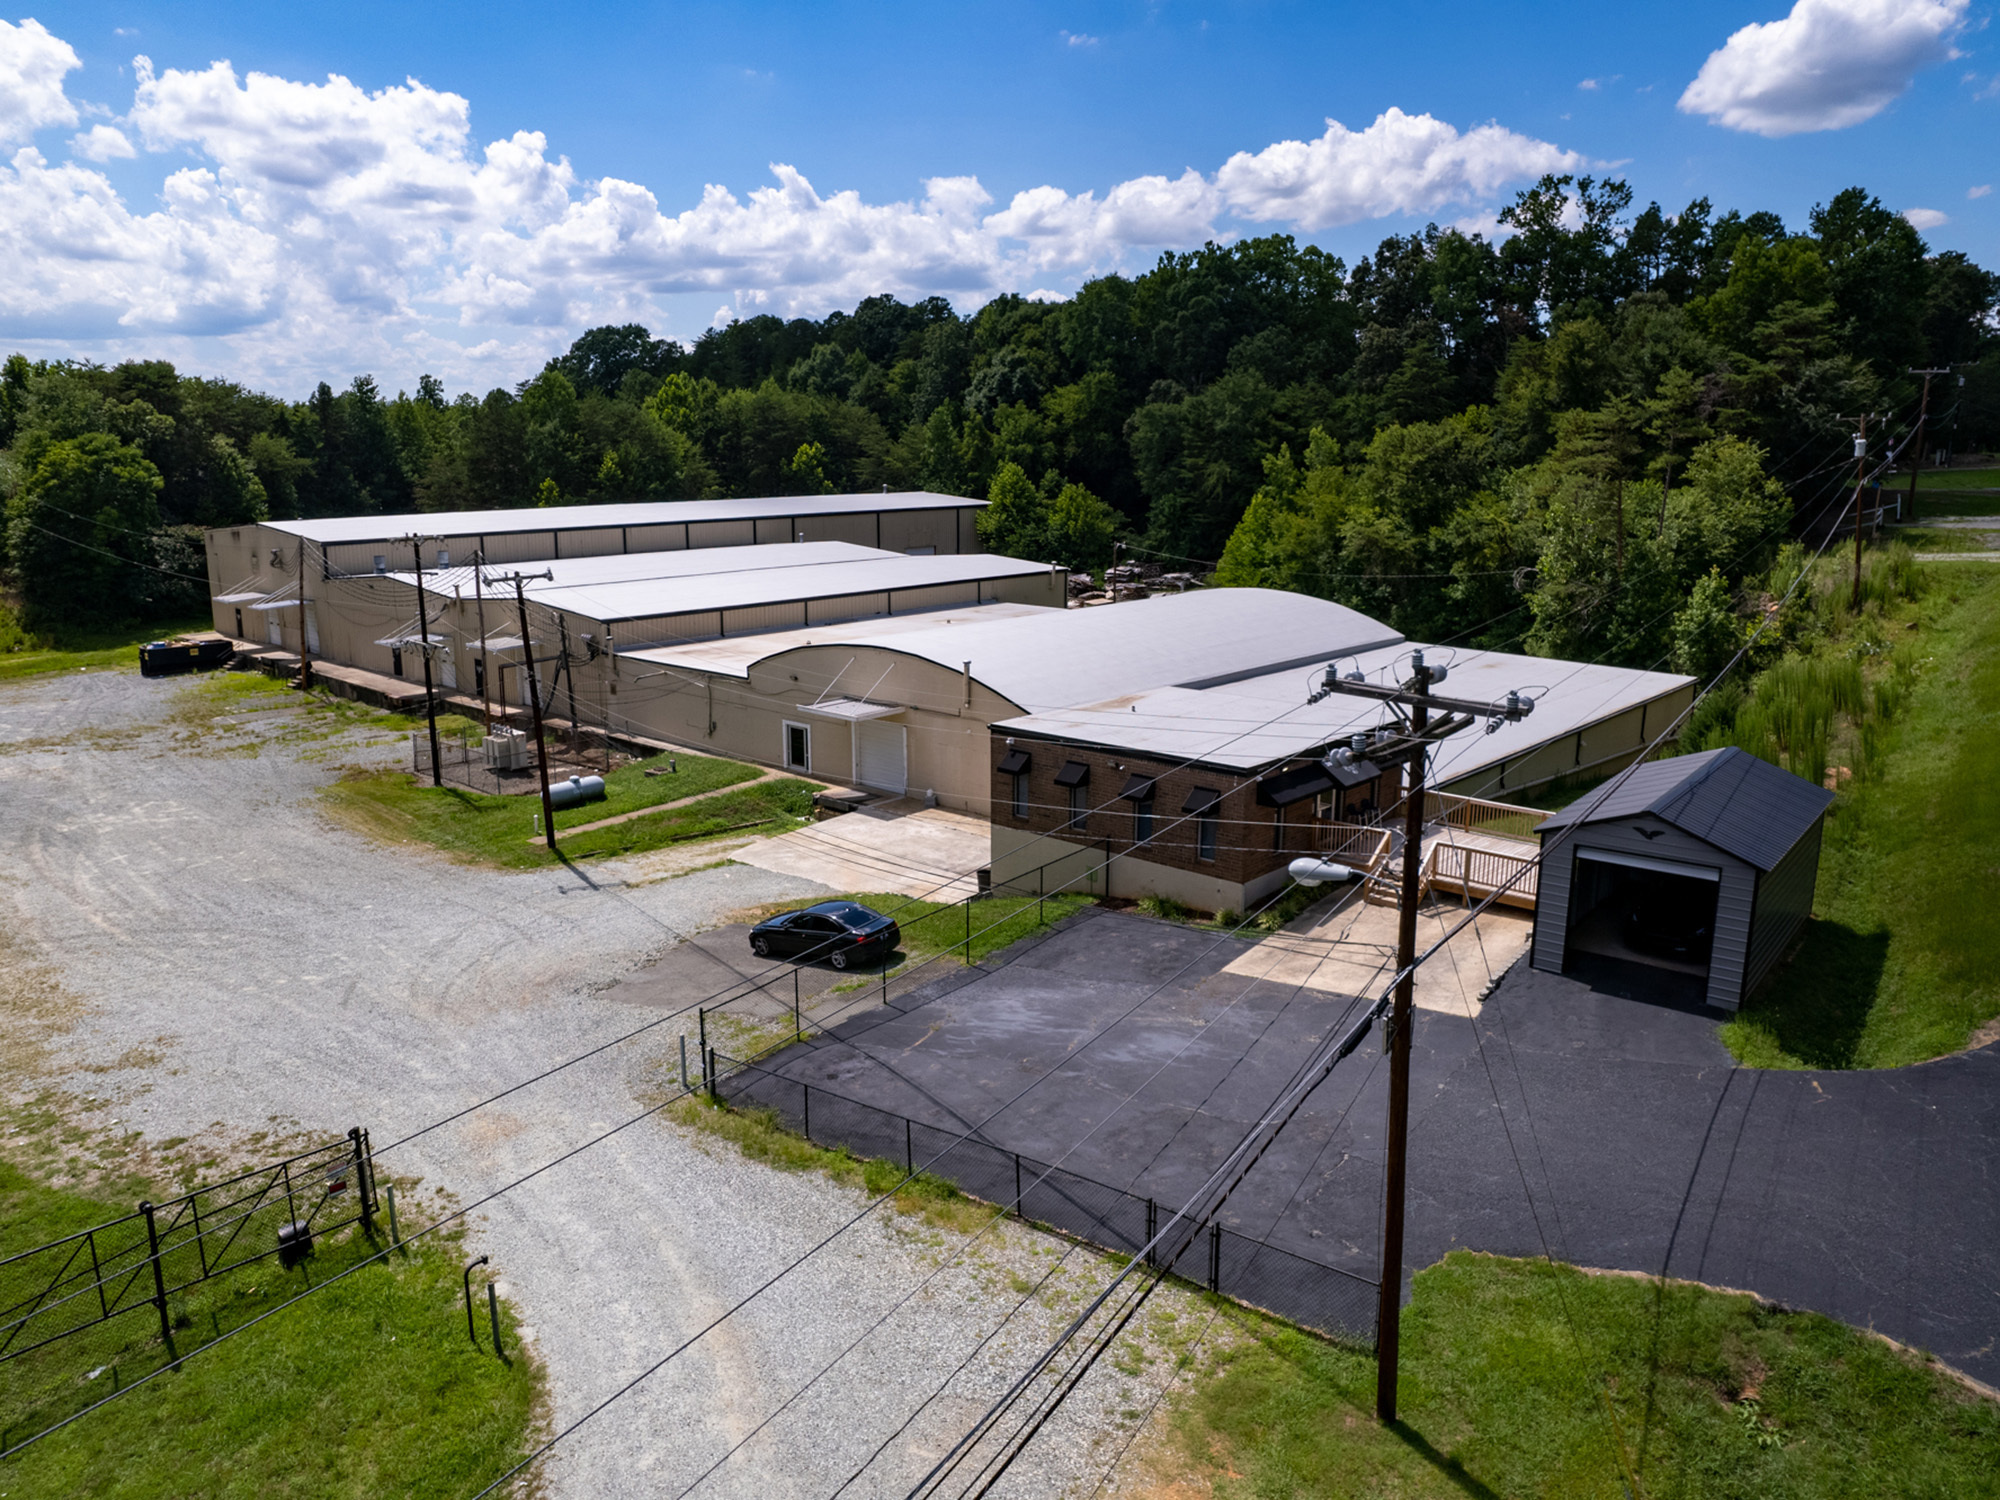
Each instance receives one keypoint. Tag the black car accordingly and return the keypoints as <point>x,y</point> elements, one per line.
<point>840,932</point>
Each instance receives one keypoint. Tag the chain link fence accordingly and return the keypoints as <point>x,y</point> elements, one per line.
<point>1322,1298</point>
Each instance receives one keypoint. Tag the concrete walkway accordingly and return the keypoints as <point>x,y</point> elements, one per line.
<point>924,852</point>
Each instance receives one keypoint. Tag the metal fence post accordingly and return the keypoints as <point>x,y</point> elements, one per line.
<point>709,1073</point>
<point>200,1248</point>
<point>686,1087</point>
<point>1017,1184</point>
<point>471,1329</point>
<point>701,1043</point>
<point>159,1276</point>
<point>97,1273</point>
<point>394,1237</point>
<point>1152,1227</point>
<point>909,1156</point>
<point>806,1112</point>
<point>968,929</point>
<point>361,1180</point>
<point>493,1312</point>
<point>797,1030</point>
<point>1215,1257</point>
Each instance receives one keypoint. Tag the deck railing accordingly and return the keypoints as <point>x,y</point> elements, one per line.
<point>1475,873</point>
<point>1475,815</point>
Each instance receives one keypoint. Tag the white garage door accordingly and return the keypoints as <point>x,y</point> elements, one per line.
<point>880,760</point>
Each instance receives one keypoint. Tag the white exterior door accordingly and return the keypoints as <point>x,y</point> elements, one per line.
<point>449,671</point>
<point>274,632</point>
<point>312,630</point>
<point>880,757</point>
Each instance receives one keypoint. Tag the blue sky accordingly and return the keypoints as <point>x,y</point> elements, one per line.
<point>295,238</point>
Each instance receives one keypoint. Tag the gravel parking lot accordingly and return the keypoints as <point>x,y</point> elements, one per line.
<point>238,964</point>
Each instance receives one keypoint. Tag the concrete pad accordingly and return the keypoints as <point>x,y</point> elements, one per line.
<point>1352,951</point>
<point>925,852</point>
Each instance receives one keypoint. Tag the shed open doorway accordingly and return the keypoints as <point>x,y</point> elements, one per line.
<point>1649,911</point>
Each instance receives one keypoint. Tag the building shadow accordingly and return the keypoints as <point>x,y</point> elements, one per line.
<point>1816,1004</point>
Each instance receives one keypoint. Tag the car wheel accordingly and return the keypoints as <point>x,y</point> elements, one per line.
<point>761,946</point>
<point>840,958</point>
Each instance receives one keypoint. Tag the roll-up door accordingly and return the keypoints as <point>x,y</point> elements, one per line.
<point>880,756</point>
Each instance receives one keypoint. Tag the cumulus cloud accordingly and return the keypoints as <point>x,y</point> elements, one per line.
<point>1828,65</point>
<point>312,224</point>
<point>1926,218</point>
<point>32,67</point>
<point>1979,192</point>
<point>1401,164</point>
<point>102,143</point>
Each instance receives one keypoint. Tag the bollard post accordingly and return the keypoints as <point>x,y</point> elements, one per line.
<point>390,1193</point>
<point>493,1312</point>
<point>471,1329</point>
<point>686,1087</point>
<point>709,1074</point>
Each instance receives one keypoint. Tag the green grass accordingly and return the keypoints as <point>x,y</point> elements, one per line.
<point>369,1388</point>
<point>1934,480</point>
<point>1901,961</point>
<point>1714,1396</point>
<point>25,654</point>
<point>1942,539</point>
<point>499,831</point>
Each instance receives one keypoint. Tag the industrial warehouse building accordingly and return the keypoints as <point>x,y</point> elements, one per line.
<point>254,571</point>
<point>1206,791</point>
<point>1704,864</point>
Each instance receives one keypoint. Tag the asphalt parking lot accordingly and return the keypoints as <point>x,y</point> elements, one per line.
<point>1594,1115</point>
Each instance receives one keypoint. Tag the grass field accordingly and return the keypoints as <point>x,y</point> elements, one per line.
<point>23,655</point>
<point>499,831</point>
<point>1934,480</point>
<point>1901,961</point>
<point>369,1388</point>
<point>1658,1392</point>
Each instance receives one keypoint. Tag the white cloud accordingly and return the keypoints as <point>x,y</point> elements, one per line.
<point>1979,192</point>
<point>102,143</point>
<point>1401,164</point>
<point>1828,65</point>
<point>1079,38</point>
<point>1926,218</point>
<point>32,67</point>
<point>315,227</point>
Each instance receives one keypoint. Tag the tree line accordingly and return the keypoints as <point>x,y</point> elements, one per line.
<point>1562,431</point>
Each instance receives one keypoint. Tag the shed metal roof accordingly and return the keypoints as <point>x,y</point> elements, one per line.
<point>1728,797</point>
<point>334,530</point>
<point>656,567</point>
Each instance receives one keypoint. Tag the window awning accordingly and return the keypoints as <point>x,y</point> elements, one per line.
<point>1013,763</point>
<point>239,598</point>
<point>397,642</point>
<point>1202,799</point>
<point>850,709</point>
<point>1138,788</point>
<point>1287,787</point>
<point>498,643</point>
<point>276,604</point>
<point>1073,773</point>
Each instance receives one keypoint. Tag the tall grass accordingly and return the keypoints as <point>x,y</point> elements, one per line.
<point>1789,718</point>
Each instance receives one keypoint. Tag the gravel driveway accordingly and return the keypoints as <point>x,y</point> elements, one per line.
<point>242,965</point>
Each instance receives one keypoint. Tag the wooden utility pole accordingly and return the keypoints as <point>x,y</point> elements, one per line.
<point>1389,1314</point>
<point>531,678</point>
<point>1408,744</point>
<point>424,645</point>
<point>1923,412</point>
<point>305,646</point>
<point>1860,474</point>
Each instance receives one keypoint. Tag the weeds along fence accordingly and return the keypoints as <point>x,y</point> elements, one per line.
<point>1255,1273</point>
<point>118,1291</point>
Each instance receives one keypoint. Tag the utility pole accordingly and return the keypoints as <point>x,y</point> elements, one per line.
<point>1923,412</point>
<point>568,674</point>
<point>532,679</point>
<point>479,603</point>
<point>305,648</point>
<point>1860,468</point>
<point>424,645</point>
<point>1409,744</point>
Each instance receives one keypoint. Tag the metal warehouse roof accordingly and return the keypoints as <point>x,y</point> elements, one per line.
<point>1049,659</point>
<point>333,530</point>
<point>1259,720</point>
<point>1728,797</point>
<point>642,567</point>
<point>734,656</point>
<point>699,592</point>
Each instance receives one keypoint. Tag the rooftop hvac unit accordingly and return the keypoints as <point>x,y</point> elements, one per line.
<point>506,750</point>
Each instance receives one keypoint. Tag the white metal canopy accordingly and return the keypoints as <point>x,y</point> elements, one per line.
<point>851,709</point>
<point>1657,866</point>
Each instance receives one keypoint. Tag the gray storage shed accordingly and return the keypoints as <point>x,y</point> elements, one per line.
<point>1703,864</point>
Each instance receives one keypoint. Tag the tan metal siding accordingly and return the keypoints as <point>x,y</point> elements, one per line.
<point>940,596</point>
<point>1784,902</point>
<point>912,530</point>
<point>655,538</point>
<point>722,534</point>
<point>776,529</point>
<point>859,529</point>
<point>520,546</point>
<point>605,542</point>
<point>661,630</point>
<point>846,607</point>
<point>788,616</point>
